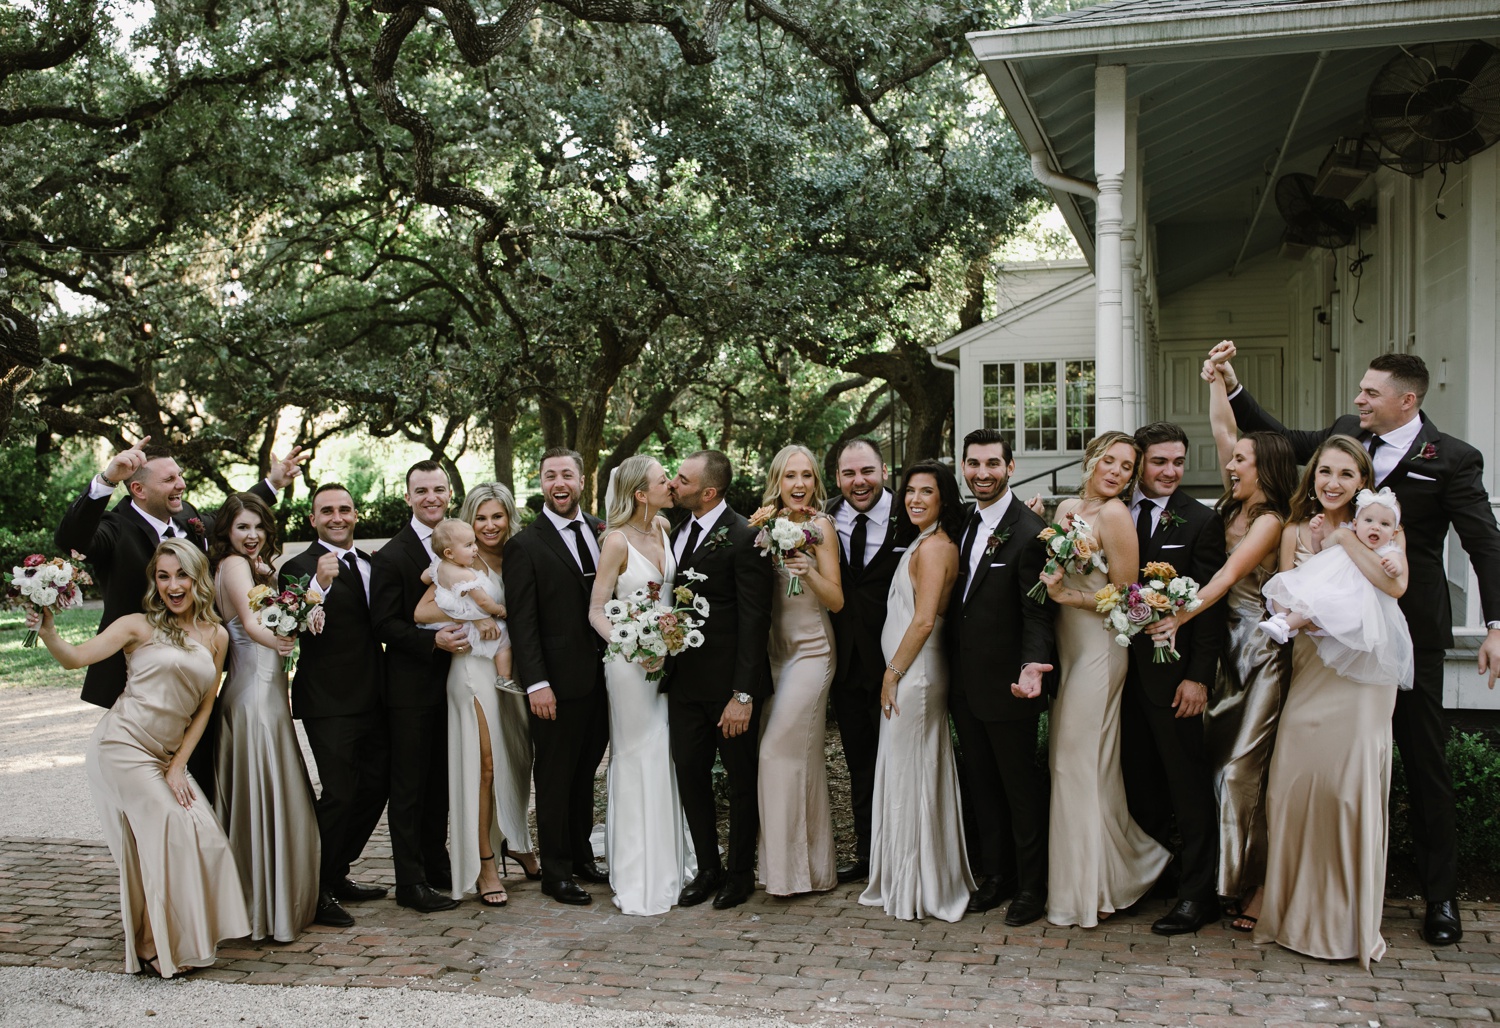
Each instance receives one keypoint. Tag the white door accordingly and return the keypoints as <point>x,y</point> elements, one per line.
<point>1183,397</point>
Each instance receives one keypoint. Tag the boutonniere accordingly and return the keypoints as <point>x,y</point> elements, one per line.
<point>1170,519</point>
<point>719,537</point>
<point>599,528</point>
<point>997,540</point>
<point>1428,452</point>
<point>195,528</point>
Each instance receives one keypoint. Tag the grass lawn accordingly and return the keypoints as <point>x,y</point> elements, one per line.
<point>20,666</point>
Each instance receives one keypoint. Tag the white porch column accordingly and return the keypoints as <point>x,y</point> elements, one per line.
<point>1130,336</point>
<point>1109,171</point>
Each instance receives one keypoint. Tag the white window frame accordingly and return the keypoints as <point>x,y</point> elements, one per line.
<point>990,412</point>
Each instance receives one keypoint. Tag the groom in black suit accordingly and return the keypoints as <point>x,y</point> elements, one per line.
<point>416,664</point>
<point>338,694</point>
<point>1439,480</point>
<point>1000,643</point>
<point>715,692</point>
<point>873,533</point>
<point>559,659</point>
<point>1162,756</point>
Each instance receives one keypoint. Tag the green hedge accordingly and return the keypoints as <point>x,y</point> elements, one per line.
<point>1475,763</point>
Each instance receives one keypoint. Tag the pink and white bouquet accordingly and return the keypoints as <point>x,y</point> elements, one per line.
<point>780,535</point>
<point>647,627</point>
<point>39,582</point>
<point>1073,549</point>
<point>296,609</point>
<point>1129,612</point>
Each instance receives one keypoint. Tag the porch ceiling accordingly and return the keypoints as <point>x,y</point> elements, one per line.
<point>1217,82</point>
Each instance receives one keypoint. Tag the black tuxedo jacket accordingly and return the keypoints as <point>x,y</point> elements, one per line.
<point>547,600</point>
<point>735,655</point>
<point>1442,489</point>
<point>341,670</point>
<point>998,627</point>
<point>1195,547</point>
<point>857,627</point>
<point>416,670</point>
<point>119,543</point>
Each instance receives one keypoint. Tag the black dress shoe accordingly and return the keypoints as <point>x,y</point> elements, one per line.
<point>590,872</point>
<point>702,887</point>
<point>736,890</point>
<point>855,871</point>
<point>567,891</point>
<point>1026,908</point>
<point>1187,916</point>
<point>992,892</point>
<point>330,914</point>
<point>424,898</point>
<point>351,891</point>
<point>1442,927</point>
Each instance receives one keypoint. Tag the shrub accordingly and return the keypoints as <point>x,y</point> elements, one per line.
<point>1475,764</point>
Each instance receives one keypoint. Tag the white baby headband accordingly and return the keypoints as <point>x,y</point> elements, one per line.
<point>1385,498</point>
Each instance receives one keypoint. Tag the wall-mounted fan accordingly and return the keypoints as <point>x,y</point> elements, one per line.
<point>1436,104</point>
<point>1313,220</point>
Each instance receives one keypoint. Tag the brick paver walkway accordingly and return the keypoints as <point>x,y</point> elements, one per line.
<point>813,958</point>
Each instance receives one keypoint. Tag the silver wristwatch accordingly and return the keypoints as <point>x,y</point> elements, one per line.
<point>743,697</point>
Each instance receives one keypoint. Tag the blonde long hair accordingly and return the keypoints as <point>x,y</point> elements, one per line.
<point>201,612</point>
<point>630,477</point>
<point>1095,451</point>
<point>485,492</point>
<point>772,494</point>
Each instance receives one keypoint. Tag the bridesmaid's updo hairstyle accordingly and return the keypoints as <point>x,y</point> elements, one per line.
<point>200,611</point>
<point>485,492</point>
<point>772,495</point>
<point>951,517</point>
<point>630,477</point>
<point>220,547</point>
<point>1305,500</point>
<point>1098,447</point>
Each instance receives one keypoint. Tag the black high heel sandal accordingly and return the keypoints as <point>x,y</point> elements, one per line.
<point>150,967</point>
<point>485,897</point>
<point>507,852</point>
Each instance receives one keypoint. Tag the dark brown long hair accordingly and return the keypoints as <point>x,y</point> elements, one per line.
<point>1275,470</point>
<point>219,546</point>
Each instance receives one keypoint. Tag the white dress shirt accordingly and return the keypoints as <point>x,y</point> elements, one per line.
<point>989,517</point>
<point>705,521</point>
<point>364,569</point>
<point>1394,445</point>
<point>157,524</point>
<point>424,533</point>
<point>565,529</point>
<point>877,519</point>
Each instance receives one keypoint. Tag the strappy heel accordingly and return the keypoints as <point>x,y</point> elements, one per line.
<point>487,897</point>
<point>531,876</point>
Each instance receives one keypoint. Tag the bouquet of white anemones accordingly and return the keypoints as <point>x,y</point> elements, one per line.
<point>296,609</point>
<point>647,627</point>
<point>39,582</point>
<point>779,535</point>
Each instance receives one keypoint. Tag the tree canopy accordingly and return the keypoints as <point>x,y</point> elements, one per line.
<point>617,225</point>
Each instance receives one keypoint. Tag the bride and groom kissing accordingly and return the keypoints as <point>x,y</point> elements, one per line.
<point>663,737</point>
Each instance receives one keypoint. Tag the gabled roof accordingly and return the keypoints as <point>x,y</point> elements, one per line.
<point>1217,82</point>
<point>1073,285</point>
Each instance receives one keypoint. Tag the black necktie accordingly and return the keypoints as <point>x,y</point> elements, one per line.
<point>585,558</point>
<point>692,539</point>
<point>1375,443</point>
<point>352,564</point>
<point>857,542</point>
<point>1143,526</point>
<point>966,552</point>
<point>170,533</point>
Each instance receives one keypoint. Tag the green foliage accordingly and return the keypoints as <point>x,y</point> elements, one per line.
<point>1475,764</point>
<point>22,667</point>
<point>36,490</point>
<point>379,518</point>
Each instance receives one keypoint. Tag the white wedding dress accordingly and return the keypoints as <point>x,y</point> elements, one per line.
<point>646,839</point>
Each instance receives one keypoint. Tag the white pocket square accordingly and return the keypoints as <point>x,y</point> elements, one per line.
<point>1420,478</point>
<point>1173,546</point>
<point>898,549</point>
<point>998,564</point>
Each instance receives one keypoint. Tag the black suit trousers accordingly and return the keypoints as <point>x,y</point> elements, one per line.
<point>696,737</point>
<point>856,708</point>
<point>1008,795</point>
<point>418,815</point>
<point>1167,774</point>
<point>567,755</point>
<point>352,757</point>
<point>1420,727</point>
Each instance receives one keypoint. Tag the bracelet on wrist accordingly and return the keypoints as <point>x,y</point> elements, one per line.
<point>893,669</point>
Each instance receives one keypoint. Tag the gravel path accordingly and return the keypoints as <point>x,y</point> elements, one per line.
<point>42,736</point>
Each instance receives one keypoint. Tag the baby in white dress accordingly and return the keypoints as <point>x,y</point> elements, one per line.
<point>464,595</point>
<point>1359,629</point>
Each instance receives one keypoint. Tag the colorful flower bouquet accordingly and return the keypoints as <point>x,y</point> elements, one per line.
<point>1073,549</point>
<point>647,627</point>
<point>40,583</point>
<point>289,613</point>
<point>1163,594</point>
<point>780,535</point>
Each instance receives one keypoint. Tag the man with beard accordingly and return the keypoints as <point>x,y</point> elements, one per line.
<point>873,533</point>
<point>549,576</point>
<point>1000,643</point>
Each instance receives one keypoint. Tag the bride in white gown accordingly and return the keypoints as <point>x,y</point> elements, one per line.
<point>646,840</point>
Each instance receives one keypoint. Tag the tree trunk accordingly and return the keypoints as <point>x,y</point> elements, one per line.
<point>502,426</point>
<point>554,429</point>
